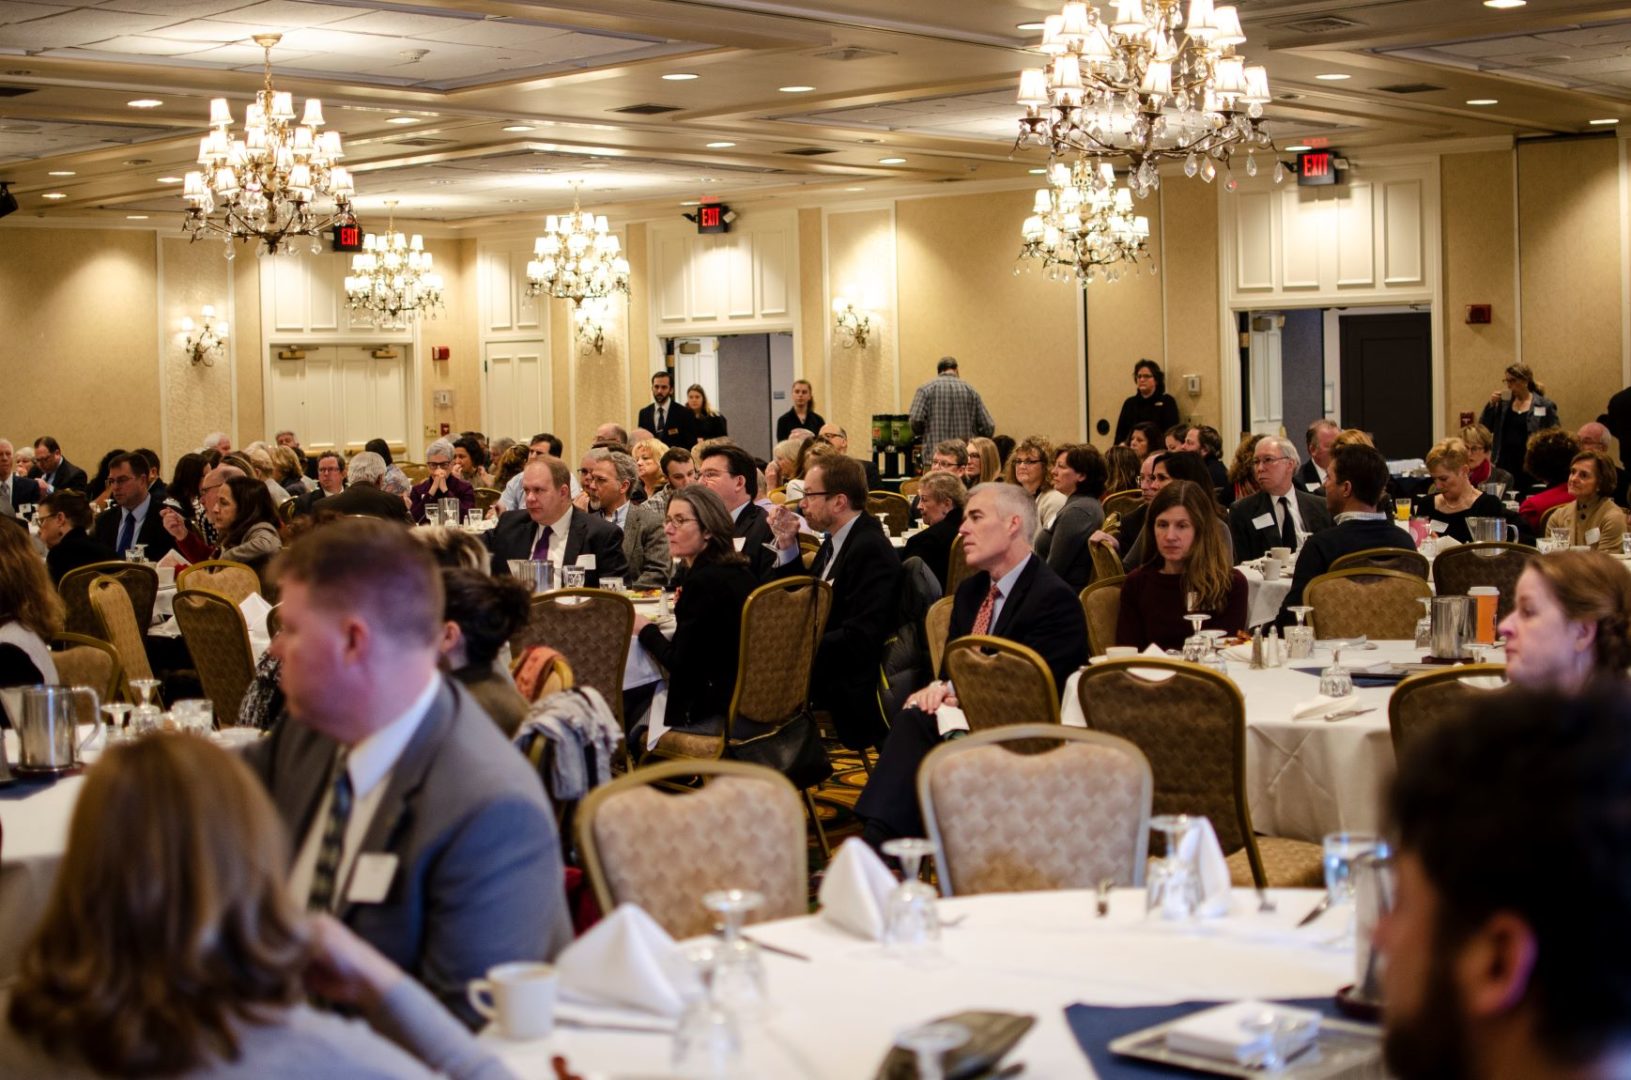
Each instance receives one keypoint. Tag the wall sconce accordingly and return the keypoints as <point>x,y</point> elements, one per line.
<point>852,323</point>
<point>589,319</point>
<point>204,340</point>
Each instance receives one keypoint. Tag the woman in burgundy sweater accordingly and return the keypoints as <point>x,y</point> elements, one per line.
<point>1188,572</point>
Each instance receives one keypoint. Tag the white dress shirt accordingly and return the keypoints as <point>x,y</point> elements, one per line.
<point>557,542</point>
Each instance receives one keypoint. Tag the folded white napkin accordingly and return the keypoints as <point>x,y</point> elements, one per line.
<point>627,960</point>
<point>1241,652</point>
<point>174,558</point>
<point>1200,846</point>
<point>950,718</point>
<point>255,609</point>
<point>855,891</point>
<point>1319,705</point>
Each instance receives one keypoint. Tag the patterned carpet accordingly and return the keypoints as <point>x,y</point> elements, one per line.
<point>835,803</point>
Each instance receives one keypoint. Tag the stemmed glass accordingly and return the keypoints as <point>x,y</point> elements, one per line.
<point>929,1044</point>
<point>1300,638</point>
<point>1342,850</point>
<point>912,922</point>
<point>145,688</point>
<point>1171,883</point>
<point>707,1039</point>
<point>739,974</point>
<point>1196,644</point>
<point>117,712</point>
<point>1335,681</point>
<point>1424,625</point>
<point>136,553</point>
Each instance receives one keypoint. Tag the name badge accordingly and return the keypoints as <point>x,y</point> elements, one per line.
<point>739,542</point>
<point>1438,526</point>
<point>1593,535</point>
<point>1263,521</point>
<point>371,878</point>
<point>1540,410</point>
<point>1313,485</point>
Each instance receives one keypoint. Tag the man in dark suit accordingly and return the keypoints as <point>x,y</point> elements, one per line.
<point>1353,486</point>
<point>838,439</point>
<point>409,815</point>
<point>730,473</point>
<point>330,481</point>
<point>363,494</point>
<point>1322,435</point>
<point>1014,595</point>
<point>538,531</point>
<point>132,516</point>
<point>56,470</point>
<point>15,490</point>
<point>864,571</point>
<point>940,503</point>
<point>674,424</point>
<point>64,517</point>
<point>1277,513</point>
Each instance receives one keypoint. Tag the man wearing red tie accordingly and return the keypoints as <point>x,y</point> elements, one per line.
<point>1014,595</point>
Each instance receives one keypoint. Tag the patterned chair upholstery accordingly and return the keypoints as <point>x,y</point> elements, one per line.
<point>1122,502</point>
<point>663,849</point>
<point>936,625</point>
<point>891,509</point>
<point>141,582</point>
<point>1106,563</point>
<point>218,639</point>
<point>87,661</point>
<point>1190,722</point>
<point>1457,570</point>
<point>118,627</point>
<point>1424,700</point>
<point>234,580</point>
<point>486,497</point>
<point>1001,682</point>
<point>592,628</point>
<point>908,488</point>
<point>1363,601</point>
<point>1101,603</point>
<point>1069,817</point>
<point>957,568</point>
<point>1406,562</point>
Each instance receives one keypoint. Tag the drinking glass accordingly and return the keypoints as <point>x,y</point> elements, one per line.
<point>1171,883</point>
<point>1300,638</point>
<point>930,1044</point>
<point>117,712</point>
<point>1342,850</point>
<point>1559,535</point>
<point>1214,658</point>
<point>136,553</point>
<point>433,513</point>
<point>450,511</point>
<point>739,974</point>
<point>1195,645</point>
<point>1424,625</point>
<point>1335,681</point>
<point>912,921</point>
<point>573,576</point>
<point>196,715</point>
<point>145,688</point>
<point>707,1039</point>
<point>146,719</point>
<point>612,584</point>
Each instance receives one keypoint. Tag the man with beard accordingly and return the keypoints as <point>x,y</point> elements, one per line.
<point>1506,951</point>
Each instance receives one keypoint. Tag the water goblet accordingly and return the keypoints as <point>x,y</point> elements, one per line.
<point>1424,625</point>
<point>929,1044</point>
<point>707,1039</point>
<point>146,719</point>
<point>573,577</point>
<point>117,712</point>
<point>136,553</point>
<point>1335,681</point>
<point>1195,645</point>
<point>912,921</point>
<point>739,975</point>
<point>1341,852</point>
<point>1171,884</point>
<point>145,687</point>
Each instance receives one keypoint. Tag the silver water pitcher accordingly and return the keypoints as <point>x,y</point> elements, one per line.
<point>47,736</point>
<point>1452,622</point>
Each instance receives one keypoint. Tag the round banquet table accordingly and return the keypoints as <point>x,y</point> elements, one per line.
<point>836,1014</point>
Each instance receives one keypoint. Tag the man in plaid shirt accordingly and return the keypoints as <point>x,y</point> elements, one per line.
<point>946,407</point>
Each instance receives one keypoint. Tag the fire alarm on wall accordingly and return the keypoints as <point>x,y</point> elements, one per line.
<point>439,352</point>
<point>1478,314</point>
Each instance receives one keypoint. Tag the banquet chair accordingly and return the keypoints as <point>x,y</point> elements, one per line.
<point>118,627</point>
<point>778,495</point>
<point>891,509</point>
<point>1457,570</point>
<point>234,580</point>
<point>1073,815</point>
<point>1190,722</point>
<point>908,488</point>
<point>592,628</point>
<point>415,471</point>
<point>1101,604</point>
<point>140,580</point>
<point>87,661</point>
<point>1423,701</point>
<point>936,625</point>
<point>274,620</point>
<point>286,510</point>
<point>218,639</point>
<point>1546,518</point>
<point>1106,563</point>
<point>486,497</point>
<point>1406,562</point>
<point>662,848</point>
<point>1122,502</point>
<point>1374,603</point>
<point>1000,682</point>
<point>957,568</point>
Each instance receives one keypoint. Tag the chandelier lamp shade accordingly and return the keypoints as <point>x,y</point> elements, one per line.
<point>1144,81</point>
<point>577,258</point>
<point>204,340</point>
<point>392,279</point>
<point>1083,228</point>
<point>277,181</point>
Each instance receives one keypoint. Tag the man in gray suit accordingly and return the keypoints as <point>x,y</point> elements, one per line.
<point>1277,514</point>
<point>612,476</point>
<point>410,817</point>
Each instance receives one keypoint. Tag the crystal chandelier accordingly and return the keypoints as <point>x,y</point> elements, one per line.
<point>392,278</point>
<point>577,258</point>
<point>279,181</point>
<point>1082,226</point>
<point>1147,84</point>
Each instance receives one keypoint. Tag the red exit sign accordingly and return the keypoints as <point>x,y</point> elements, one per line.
<point>1316,168</point>
<point>348,237</point>
<point>711,218</point>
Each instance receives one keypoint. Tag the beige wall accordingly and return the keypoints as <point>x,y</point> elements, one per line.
<point>455,327</point>
<point>198,398</point>
<point>1187,266</point>
<point>1125,325</point>
<point>860,261</point>
<point>1480,264</point>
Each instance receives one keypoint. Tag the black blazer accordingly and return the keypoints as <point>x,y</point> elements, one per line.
<point>25,492</point>
<point>586,534</point>
<point>74,550</point>
<point>681,429</point>
<point>105,531</point>
<point>753,526</point>
<point>367,499</point>
<point>1158,409</point>
<point>701,658</point>
<point>1252,542</point>
<point>1325,548</point>
<point>307,503</point>
<point>68,477</point>
<point>1308,478</point>
<point>710,427</point>
<point>787,421</point>
<point>933,544</point>
<point>1042,613</point>
<point>865,582</point>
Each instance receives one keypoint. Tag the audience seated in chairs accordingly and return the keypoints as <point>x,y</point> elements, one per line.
<point>1547,461</point>
<point>480,614</point>
<point>1456,499</point>
<point>1188,572</point>
<point>940,504</point>
<point>64,518</point>
<point>1078,474</point>
<point>245,520</point>
<point>1278,513</point>
<point>442,483</point>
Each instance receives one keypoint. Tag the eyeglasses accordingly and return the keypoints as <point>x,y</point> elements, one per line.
<point>818,494</point>
<point>1027,461</point>
<point>677,522</point>
<point>1269,460</point>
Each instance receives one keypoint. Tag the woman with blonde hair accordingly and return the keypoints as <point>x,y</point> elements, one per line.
<point>1481,467</point>
<point>31,612</point>
<point>1187,571</point>
<point>1121,466</point>
<point>648,469</point>
<point>1029,466</point>
<point>990,459</point>
<point>1592,518</point>
<point>171,947</point>
<point>1570,622</point>
<point>1456,499</point>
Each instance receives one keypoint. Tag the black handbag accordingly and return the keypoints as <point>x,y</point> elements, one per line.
<point>794,750</point>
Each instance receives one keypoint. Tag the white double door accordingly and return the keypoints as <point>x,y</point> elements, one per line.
<point>340,396</point>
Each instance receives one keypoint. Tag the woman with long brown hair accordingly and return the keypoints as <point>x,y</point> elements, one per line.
<point>1187,572</point>
<point>31,612</point>
<point>171,947</point>
<point>709,424</point>
<point>245,520</point>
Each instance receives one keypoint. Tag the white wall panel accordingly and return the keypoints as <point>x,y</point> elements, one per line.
<point>1254,225</point>
<point>325,287</point>
<point>1402,232</point>
<point>1304,226</point>
<point>743,280</point>
<point>287,287</point>
<point>1354,234</point>
<point>672,265</point>
<point>770,254</point>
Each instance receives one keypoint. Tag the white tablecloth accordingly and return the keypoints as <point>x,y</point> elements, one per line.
<point>837,1015</point>
<point>1263,598</point>
<point>1309,778</point>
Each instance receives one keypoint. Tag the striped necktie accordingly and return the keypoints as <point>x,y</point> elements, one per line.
<point>327,870</point>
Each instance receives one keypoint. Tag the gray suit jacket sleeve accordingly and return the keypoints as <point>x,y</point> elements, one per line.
<point>645,547</point>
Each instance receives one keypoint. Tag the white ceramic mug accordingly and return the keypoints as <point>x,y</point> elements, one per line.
<point>1280,554</point>
<point>519,997</point>
<point>1121,652</point>
<point>1272,570</point>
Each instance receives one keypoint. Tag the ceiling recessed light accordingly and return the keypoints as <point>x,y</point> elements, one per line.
<point>855,189</point>
<point>135,217</point>
<point>691,202</point>
<point>145,103</point>
<point>1299,148</point>
<point>1029,26</point>
<point>53,195</point>
<point>402,120</point>
<point>169,179</point>
<point>1600,123</point>
<point>1037,172</point>
<point>681,76</point>
<point>1483,101</point>
<point>720,145</point>
<point>1502,5</point>
<point>62,172</point>
<point>891,161</point>
<point>519,127</point>
<point>795,89</point>
<point>1332,76</point>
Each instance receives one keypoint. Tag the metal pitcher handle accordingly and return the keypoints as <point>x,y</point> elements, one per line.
<point>98,726</point>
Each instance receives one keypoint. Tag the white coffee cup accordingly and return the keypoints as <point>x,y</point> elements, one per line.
<point>167,576</point>
<point>1121,652</point>
<point>1271,569</point>
<point>519,997</point>
<point>1280,554</point>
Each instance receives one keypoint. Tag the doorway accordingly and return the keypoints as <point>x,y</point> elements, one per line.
<point>1387,379</point>
<point>746,378</point>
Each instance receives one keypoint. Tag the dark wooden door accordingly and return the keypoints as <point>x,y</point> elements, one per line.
<point>1387,380</point>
